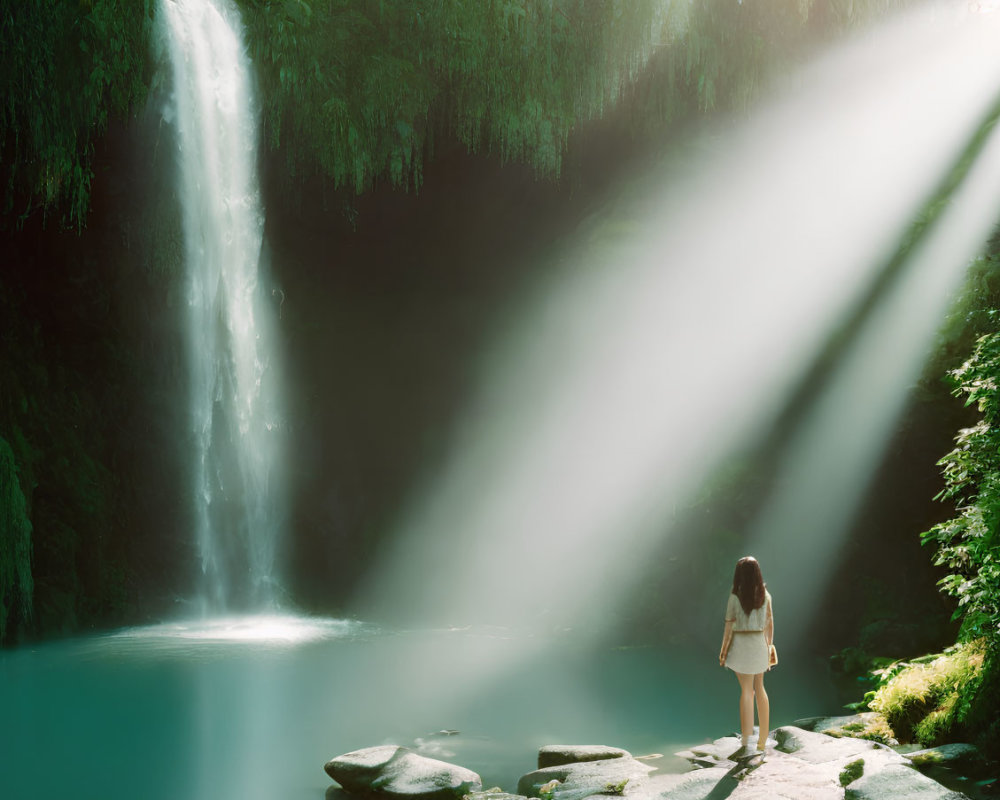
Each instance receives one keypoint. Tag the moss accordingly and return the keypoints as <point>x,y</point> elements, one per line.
<point>877,730</point>
<point>871,726</point>
<point>852,771</point>
<point>928,701</point>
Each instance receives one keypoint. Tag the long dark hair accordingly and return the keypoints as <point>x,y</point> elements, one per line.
<point>748,584</point>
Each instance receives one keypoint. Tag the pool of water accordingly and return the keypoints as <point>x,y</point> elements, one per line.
<point>252,708</point>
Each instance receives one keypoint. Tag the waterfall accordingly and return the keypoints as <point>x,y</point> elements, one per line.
<point>232,393</point>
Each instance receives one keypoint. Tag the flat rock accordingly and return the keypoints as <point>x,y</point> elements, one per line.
<point>822,724</point>
<point>803,765</point>
<point>397,772</point>
<point>899,781</point>
<point>583,779</point>
<point>556,755</point>
<point>836,725</point>
<point>695,785</point>
<point>950,755</point>
<point>818,748</point>
<point>494,794</point>
<point>779,777</point>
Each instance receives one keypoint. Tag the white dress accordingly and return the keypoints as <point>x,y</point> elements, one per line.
<point>748,652</point>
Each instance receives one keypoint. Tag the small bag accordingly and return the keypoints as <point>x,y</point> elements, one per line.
<point>772,656</point>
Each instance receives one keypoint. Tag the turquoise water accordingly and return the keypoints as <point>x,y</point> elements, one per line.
<point>252,709</point>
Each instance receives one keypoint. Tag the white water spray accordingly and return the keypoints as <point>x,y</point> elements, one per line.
<point>233,381</point>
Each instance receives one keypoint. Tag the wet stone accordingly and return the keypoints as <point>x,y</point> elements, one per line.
<point>398,772</point>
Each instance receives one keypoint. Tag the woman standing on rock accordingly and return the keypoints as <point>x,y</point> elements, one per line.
<point>746,646</point>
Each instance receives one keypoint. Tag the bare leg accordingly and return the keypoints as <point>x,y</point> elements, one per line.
<point>763,710</point>
<point>746,706</point>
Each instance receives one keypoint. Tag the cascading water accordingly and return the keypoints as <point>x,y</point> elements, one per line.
<point>232,361</point>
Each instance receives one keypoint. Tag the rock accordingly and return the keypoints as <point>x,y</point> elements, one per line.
<point>947,755</point>
<point>780,776</point>
<point>555,755</point>
<point>495,793</point>
<point>397,772</point>
<point>585,778</point>
<point>870,723</point>
<point>824,724</point>
<point>804,765</point>
<point>818,748</point>
<point>687,786</point>
<point>715,752</point>
<point>354,771</point>
<point>898,781</point>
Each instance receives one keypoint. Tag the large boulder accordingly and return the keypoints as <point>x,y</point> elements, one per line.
<point>398,772</point>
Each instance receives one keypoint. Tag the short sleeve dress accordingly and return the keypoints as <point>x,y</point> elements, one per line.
<point>748,650</point>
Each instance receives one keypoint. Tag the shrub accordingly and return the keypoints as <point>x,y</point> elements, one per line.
<point>929,700</point>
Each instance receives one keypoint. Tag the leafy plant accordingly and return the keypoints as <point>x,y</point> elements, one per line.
<point>69,68</point>
<point>969,544</point>
<point>929,699</point>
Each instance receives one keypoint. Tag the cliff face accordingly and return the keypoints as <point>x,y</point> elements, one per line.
<point>88,402</point>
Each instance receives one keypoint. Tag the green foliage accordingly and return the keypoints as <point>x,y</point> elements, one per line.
<point>68,68</point>
<point>932,699</point>
<point>615,788</point>
<point>16,582</point>
<point>974,314</point>
<point>969,544</point>
<point>361,89</point>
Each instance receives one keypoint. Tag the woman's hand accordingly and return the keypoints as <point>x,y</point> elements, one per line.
<point>727,640</point>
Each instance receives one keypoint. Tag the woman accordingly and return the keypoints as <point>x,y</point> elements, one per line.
<point>746,645</point>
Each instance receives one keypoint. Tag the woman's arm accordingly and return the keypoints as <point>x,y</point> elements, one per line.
<point>769,625</point>
<point>727,638</point>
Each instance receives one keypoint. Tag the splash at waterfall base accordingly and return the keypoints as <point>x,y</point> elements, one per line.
<point>802,763</point>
